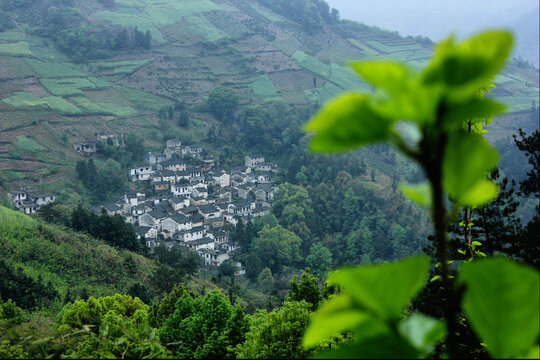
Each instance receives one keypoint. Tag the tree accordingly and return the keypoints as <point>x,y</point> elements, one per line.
<point>222,102</point>
<point>274,248</point>
<point>307,289</point>
<point>319,259</point>
<point>265,280</point>
<point>278,334</point>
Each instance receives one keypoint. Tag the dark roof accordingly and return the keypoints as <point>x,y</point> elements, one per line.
<point>241,203</point>
<point>208,209</point>
<point>141,230</point>
<point>111,207</point>
<point>219,233</point>
<point>204,240</point>
<point>180,219</point>
<point>197,218</point>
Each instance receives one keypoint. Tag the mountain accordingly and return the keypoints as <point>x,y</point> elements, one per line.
<point>71,69</point>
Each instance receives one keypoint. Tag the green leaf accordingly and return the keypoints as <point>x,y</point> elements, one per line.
<point>423,332</point>
<point>382,346</point>
<point>476,243</point>
<point>501,301</point>
<point>480,193</point>
<point>334,317</point>
<point>384,289</point>
<point>534,353</point>
<point>390,76</point>
<point>347,122</point>
<point>467,159</point>
<point>419,193</point>
<point>468,66</point>
<point>474,110</point>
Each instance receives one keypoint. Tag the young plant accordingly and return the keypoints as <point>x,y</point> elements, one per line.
<point>445,105</point>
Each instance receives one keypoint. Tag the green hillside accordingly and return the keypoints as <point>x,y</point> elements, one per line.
<point>67,259</point>
<point>56,89</point>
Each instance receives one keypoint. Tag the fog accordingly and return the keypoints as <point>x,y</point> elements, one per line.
<point>437,18</point>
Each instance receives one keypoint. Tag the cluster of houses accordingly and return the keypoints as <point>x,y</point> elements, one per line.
<point>191,206</point>
<point>28,200</point>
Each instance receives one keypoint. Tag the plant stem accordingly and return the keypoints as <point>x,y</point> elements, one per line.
<point>439,220</point>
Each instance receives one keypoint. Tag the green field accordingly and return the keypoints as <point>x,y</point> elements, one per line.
<point>152,15</point>
<point>143,99</point>
<point>59,104</point>
<point>264,87</point>
<point>25,99</point>
<point>368,52</point>
<point>103,108</point>
<point>391,49</point>
<point>311,64</point>
<point>25,144</point>
<point>18,48</point>
<point>167,12</point>
<point>130,18</point>
<point>199,25</point>
<point>53,70</point>
<point>517,103</point>
<point>67,86</point>
<point>119,67</point>
<point>346,78</point>
<point>12,36</point>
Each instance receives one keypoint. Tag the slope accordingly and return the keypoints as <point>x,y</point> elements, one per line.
<point>69,260</point>
<point>51,98</point>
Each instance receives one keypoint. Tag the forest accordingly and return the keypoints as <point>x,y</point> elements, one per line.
<point>404,224</point>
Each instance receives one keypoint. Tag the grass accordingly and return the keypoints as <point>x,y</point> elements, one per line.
<point>119,67</point>
<point>59,104</point>
<point>129,18</point>
<point>368,52</point>
<point>420,55</point>
<point>44,49</point>
<point>16,66</point>
<point>167,12</point>
<point>26,144</point>
<point>9,216</point>
<point>18,48</point>
<point>56,253</point>
<point>142,99</point>
<point>103,108</point>
<point>13,175</point>
<point>267,14</point>
<point>311,64</point>
<point>25,99</point>
<point>12,36</point>
<point>346,78</point>
<point>263,87</point>
<point>67,86</point>
<point>53,70</point>
<point>100,84</point>
<point>199,25</point>
<point>517,103</point>
<point>391,49</point>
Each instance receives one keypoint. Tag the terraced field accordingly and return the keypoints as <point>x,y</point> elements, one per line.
<point>196,45</point>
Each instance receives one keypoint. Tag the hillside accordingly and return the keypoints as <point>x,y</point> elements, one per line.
<point>55,92</point>
<point>67,259</point>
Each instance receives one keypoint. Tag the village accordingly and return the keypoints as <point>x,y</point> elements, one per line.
<point>183,200</point>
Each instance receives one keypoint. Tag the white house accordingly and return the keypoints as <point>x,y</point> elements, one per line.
<point>254,160</point>
<point>141,173</point>
<point>213,257</point>
<point>182,189</point>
